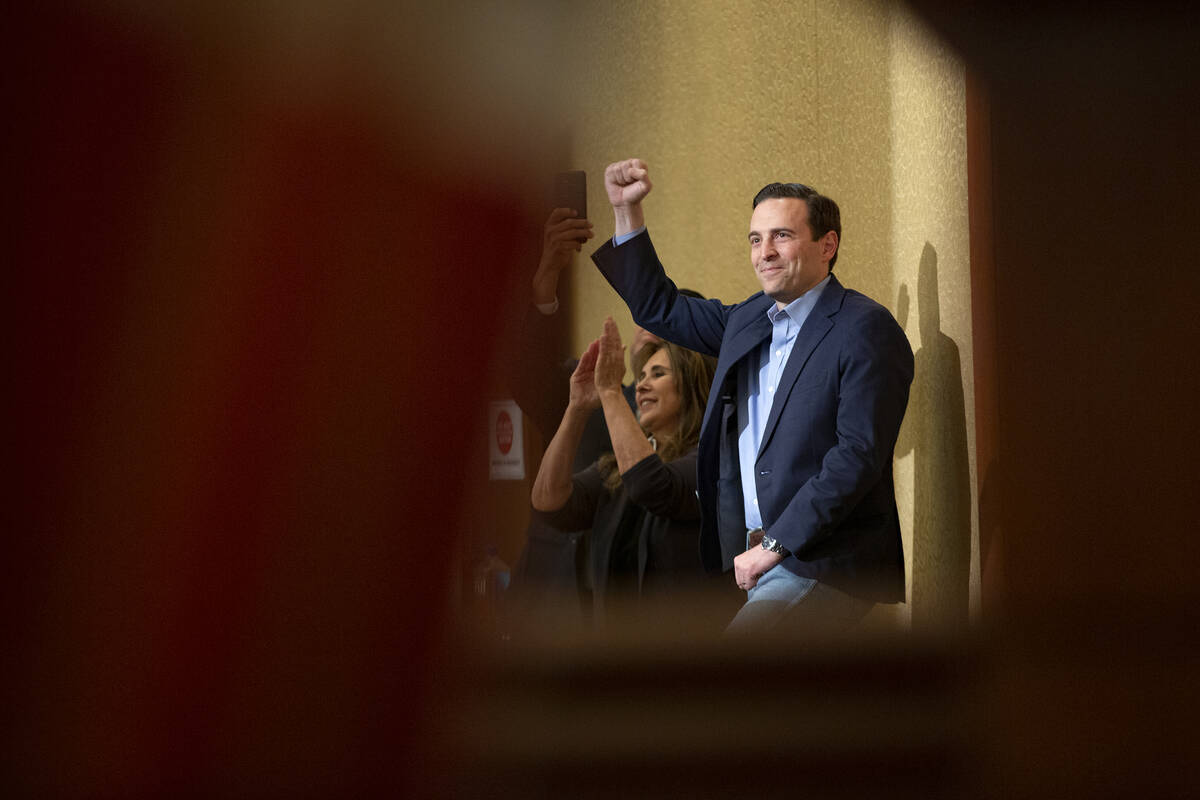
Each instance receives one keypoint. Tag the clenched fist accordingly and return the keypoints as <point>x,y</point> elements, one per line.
<point>627,182</point>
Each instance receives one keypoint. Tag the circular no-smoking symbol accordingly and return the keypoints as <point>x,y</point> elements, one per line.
<point>504,432</point>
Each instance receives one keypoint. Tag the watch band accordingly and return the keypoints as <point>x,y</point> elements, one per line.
<point>771,543</point>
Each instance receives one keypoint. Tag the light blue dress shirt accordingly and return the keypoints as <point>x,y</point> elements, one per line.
<point>756,397</point>
<point>625,237</point>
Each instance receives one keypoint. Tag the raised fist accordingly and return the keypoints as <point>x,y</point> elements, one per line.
<point>627,182</point>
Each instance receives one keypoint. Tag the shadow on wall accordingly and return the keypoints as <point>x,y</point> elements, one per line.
<point>935,431</point>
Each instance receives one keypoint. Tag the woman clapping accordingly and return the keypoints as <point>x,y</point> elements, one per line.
<point>640,500</point>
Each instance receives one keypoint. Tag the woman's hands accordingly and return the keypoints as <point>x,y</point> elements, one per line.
<point>628,439</point>
<point>584,395</point>
<point>601,369</point>
<point>610,361</point>
<point>595,382</point>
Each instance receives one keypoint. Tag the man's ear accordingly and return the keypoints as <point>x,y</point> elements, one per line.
<point>829,245</point>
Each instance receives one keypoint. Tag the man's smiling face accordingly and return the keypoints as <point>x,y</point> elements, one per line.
<point>786,259</point>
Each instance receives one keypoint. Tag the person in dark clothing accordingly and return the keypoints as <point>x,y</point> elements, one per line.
<point>551,581</point>
<point>639,501</point>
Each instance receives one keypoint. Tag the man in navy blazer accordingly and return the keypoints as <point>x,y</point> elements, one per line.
<point>795,462</point>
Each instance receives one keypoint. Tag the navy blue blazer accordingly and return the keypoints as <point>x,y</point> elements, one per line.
<point>824,471</point>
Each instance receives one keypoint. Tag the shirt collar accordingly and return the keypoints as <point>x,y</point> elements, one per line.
<point>799,309</point>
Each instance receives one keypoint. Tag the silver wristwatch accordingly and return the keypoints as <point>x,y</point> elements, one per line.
<point>771,543</point>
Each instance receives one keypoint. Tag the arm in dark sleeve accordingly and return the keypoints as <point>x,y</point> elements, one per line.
<point>665,489</point>
<point>587,488</point>
<point>634,271</point>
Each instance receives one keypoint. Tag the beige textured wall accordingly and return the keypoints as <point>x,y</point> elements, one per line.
<point>855,98</point>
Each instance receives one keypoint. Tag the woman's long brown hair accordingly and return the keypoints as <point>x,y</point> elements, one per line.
<point>693,376</point>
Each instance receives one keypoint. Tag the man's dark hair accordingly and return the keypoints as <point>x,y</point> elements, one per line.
<point>823,214</point>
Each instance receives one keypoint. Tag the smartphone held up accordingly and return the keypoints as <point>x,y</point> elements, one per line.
<point>570,191</point>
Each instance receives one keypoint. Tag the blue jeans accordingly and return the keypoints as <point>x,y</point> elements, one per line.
<point>783,602</point>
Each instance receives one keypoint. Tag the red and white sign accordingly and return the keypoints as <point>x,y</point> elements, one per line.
<point>506,449</point>
<point>504,432</point>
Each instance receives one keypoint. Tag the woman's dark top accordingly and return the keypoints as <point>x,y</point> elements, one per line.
<point>645,537</point>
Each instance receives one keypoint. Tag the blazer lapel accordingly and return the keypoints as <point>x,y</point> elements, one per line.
<point>816,327</point>
<point>739,345</point>
<point>751,336</point>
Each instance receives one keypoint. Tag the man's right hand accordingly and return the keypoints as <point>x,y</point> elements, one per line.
<point>627,183</point>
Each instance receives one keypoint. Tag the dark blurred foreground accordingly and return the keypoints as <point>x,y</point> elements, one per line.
<point>1058,710</point>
